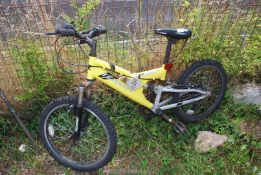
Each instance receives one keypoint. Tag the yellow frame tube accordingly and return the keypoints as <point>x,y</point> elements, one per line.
<point>98,68</point>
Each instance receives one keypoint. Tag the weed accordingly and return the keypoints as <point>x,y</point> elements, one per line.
<point>82,13</point>
<point>40,78</point>
<point>234,40</point>
<point>151,147</point>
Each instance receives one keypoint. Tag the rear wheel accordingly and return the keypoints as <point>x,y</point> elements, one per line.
<point>88,150</point>
<point>207,75</point>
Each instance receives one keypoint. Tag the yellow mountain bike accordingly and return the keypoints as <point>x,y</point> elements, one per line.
<point>79,135</point>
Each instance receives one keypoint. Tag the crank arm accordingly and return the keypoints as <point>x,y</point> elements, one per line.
<point>179,127</point>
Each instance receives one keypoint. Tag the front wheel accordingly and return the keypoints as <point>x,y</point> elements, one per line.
<point>207,75</point>
<point>88,150</point>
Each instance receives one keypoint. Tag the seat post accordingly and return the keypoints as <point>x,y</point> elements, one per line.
<point>168,49</point>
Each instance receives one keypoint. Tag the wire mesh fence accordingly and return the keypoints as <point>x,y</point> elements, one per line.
<point>27,56</point>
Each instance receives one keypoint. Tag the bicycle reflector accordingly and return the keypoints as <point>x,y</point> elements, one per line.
<point>168,66</point>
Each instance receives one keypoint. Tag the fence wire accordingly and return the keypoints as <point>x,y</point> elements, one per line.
<point>130,41</point>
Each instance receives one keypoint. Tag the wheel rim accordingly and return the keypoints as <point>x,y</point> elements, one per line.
<point>93,144</point>
<point>206,78</point>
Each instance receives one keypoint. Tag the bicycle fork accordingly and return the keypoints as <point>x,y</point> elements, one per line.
<point>81,122</point>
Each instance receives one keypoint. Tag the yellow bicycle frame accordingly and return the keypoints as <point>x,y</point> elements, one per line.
<point>98,69</point>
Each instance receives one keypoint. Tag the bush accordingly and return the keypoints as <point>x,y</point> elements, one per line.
<point>82,13</point>
<point>40,78</point>
<point>220,33</point>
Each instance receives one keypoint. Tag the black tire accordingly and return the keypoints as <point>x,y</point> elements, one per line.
<point>182,111</point>
<point>64,152</point>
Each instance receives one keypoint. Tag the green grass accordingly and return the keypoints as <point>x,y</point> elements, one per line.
<point>150,147</point>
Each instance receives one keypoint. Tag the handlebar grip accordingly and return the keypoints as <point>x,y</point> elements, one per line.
<point>66,32</point>
<point>102,30</point>
<point>96,31</point>
<point>50,33</point>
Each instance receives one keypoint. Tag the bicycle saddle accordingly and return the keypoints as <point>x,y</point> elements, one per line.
<point>181,33</point>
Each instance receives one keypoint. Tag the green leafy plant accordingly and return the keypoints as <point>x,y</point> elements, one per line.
<point>82,13</point>
<point>221,33</point>
<point>39,77</point>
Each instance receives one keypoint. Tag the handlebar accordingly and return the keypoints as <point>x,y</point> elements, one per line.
<point>70,31</point>
<point>85,37</point>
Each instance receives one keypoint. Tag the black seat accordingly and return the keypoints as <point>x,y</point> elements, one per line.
<point>181,33</point>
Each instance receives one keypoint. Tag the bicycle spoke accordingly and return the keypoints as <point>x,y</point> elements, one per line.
<point>92,143</point>
<point>209,80</point>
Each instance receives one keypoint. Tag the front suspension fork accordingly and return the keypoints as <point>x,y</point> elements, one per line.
<point>84,92</point>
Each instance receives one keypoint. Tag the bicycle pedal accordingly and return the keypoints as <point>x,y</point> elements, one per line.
<point>180,127</point>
